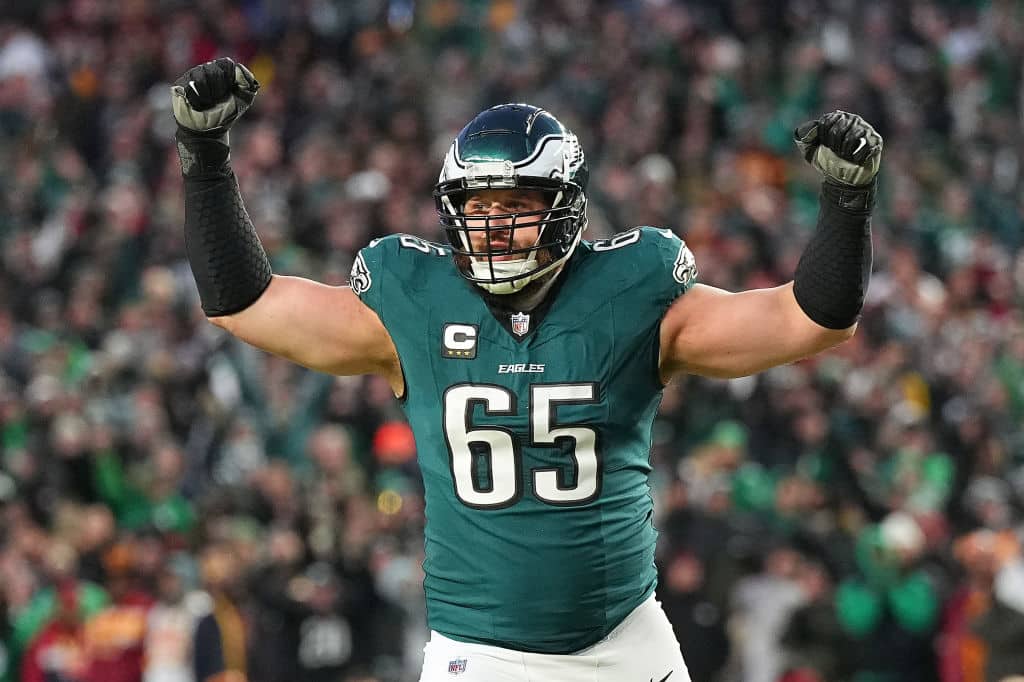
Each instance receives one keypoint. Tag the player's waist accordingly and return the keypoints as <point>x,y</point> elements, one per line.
<point>640,618</point>
<point>556,628</point>
<point>542,601</point>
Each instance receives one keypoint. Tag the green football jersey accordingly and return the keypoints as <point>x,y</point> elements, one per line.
<point>533,433</point>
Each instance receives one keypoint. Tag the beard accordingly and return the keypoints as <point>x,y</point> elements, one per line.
<point>527,298</point>
<point>465,262</point>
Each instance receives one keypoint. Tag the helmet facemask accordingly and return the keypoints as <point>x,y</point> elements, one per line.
<point>508,269</point>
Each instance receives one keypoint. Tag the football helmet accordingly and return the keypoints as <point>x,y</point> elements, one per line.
<point>513,146</point>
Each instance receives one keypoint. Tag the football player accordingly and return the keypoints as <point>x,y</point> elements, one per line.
<point>530,364</point>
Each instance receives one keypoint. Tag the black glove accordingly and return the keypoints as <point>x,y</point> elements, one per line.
<point>842,146</point>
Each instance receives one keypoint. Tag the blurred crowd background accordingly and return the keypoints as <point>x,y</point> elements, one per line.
<point>177,507</point>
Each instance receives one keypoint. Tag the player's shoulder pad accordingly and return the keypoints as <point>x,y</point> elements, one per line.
<point>396,256</point>
<point>656,255</point>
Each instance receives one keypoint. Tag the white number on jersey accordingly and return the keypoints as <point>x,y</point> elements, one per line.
<point>502,449</point>
<point>618,241</point>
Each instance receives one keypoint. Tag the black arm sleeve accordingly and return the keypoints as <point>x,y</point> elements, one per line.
<point>832,276</point>
<point>228,262</point>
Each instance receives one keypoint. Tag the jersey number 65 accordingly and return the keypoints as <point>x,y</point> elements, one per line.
<point>502,450</point>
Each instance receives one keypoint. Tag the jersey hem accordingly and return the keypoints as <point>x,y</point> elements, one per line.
<point>519,648</point>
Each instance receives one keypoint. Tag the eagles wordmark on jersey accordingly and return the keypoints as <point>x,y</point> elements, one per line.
<point>533,443</point>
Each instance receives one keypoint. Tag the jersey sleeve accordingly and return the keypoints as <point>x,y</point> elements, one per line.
<point>388,273</point>
<point>648,269</point>
<point>370,272</point>
<point>667,266</point>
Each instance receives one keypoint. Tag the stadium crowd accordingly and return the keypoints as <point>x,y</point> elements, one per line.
<point>176,506</point>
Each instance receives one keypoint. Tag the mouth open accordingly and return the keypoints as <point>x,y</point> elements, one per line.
<point>496,246</point>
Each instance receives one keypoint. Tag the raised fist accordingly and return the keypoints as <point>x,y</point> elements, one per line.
<point>842,146</point>
<point>209,98</point>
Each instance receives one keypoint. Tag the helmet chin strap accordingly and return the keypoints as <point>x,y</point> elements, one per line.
<point>504,269</point>
<point>514,268</point>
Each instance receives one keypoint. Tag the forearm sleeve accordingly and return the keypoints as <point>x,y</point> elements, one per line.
<point>832,276</point>
<point>228,262</point>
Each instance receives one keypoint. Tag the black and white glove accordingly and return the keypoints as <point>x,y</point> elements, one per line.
<point>206,101</point>
<point>210,97</point>
<point>842,146</point>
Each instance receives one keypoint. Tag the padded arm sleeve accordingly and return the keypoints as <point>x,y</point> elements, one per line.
<point>832,276</point>
<point>228,262</point>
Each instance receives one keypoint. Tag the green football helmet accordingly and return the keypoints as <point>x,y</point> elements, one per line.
<point>513,146</point>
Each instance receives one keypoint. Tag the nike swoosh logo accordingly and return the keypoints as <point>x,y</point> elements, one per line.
<point>192,84</point>
<point>859,144</point>
<point>666,676</point>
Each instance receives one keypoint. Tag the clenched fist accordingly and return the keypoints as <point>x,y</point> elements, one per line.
<point>209,98</point>
<point>842,146</point>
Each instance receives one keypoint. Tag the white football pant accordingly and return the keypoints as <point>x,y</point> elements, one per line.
<point>642,648</point>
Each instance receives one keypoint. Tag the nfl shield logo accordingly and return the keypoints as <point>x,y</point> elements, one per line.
<point>456,667</point>
<point>520,324</point>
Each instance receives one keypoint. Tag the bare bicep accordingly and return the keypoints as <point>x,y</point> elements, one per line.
<point>319,326</point>
<point>713,332</point>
